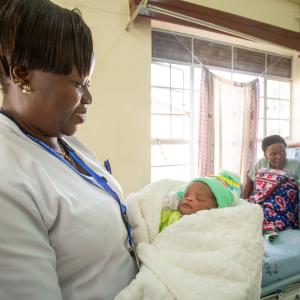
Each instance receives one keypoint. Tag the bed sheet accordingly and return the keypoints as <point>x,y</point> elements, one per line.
<point>281,262</point>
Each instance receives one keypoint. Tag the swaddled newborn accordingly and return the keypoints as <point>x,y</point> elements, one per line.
<point>201,194</point>
<point>186,260</point>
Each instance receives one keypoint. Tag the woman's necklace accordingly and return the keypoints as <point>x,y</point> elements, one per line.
<point>63,152</point>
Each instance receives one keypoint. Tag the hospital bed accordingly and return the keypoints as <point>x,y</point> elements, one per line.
<point>281,267</point>
<point>281,262</point>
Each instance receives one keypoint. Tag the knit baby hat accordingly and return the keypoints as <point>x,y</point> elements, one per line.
<point>222,186</point>
<point>230,180</point>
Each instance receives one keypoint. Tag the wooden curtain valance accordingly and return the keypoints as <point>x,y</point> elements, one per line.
<point>259,30</point>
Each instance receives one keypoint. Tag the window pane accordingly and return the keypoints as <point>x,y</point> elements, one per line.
<point>196,106</point>
<point>158,155</point>
<point>279,66</point>
<point>285,90</point>
<point>277,109</point>
<point>273,109</point>
<point>261,86</point>
<point>166,154</point>
<point>180,127</point>
<point>180,101</point>
<point>160,74</point>
<point>177,77</point>
<point>284,128</point>
<point>177,127</point>
<point>242,77</point>
<point>284,109</point>
<point>160,127</point>
<point>273,127</point>
<point>160,100</point>
<point>260,128</point>
<point>248,60</point>
<point>259,153</point>
<point>187,128</point>
<point>180,76</point>
<point>195,164</point>
<point>223,74</point>
<point>212,54</point>
<point>171,46</point>
<point>272,89</point>
<point>280,127</point>
<point>176,172</point>
<point>261,108</point>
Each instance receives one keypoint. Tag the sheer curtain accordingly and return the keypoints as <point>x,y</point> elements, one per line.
<point>228,125</point>
<point>206,136</point>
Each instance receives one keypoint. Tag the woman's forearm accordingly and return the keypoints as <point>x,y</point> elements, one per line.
<point>247,188</point>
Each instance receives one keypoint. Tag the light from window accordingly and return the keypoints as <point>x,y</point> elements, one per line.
<point>170,121</point>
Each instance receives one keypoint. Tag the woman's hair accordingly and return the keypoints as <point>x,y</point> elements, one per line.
<point>270,140</point>
<point>38,34</point>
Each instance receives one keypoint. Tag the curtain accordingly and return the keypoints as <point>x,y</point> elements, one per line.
<point>228,125</point>
<point>206,125</point>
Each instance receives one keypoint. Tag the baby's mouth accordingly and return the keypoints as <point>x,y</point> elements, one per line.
<point>185,205</point>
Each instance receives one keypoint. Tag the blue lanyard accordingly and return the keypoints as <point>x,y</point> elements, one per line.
<point>107,166</point>
<point>99,179</point>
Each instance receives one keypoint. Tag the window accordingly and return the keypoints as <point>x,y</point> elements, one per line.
<point>175,81</point>
<point>275,109</point>
<point>171,121</point>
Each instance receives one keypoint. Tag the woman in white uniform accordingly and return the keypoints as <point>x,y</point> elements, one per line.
<point>63,229</point>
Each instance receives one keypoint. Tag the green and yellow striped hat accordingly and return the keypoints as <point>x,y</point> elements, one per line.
<point>221,186</point>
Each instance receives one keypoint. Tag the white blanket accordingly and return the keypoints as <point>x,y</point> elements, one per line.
<point>213,254</point>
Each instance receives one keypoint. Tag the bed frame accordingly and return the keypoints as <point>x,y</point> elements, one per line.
<point>292,292</point>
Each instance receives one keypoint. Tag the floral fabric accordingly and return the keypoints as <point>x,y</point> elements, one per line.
<point>281,206</point>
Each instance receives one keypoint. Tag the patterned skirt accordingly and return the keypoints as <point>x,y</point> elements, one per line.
<point>279,203</point>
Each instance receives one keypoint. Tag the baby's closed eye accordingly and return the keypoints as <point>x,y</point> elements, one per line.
<point>201,199</point>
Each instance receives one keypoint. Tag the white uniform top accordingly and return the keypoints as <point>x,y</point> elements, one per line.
<point>60,236</point>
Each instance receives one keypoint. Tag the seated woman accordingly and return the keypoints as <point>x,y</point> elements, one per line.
<point>273,183</point>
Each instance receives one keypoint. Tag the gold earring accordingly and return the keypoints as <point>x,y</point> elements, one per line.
<point>26,89</point>
<point>17,82</point>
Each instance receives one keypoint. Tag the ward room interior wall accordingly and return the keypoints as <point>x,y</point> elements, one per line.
<point>118,121</point>
<point>281,13</point>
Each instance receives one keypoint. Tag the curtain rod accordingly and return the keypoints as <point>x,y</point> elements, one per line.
<point>144,5</point>
<point>206,24</point>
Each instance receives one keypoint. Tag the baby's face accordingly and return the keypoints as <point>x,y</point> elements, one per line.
<point>197,197</point>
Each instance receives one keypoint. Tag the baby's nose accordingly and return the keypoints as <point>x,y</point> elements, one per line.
<point>188,199</point>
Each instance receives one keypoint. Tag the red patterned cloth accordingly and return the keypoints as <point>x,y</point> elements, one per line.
<point>281,206</point>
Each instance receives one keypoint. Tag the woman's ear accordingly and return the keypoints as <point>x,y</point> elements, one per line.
<point>21,75</point>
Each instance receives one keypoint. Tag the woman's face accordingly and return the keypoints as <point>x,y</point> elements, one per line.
<point>57,104</point>
<point>197,197</point>
<point>276,155</point>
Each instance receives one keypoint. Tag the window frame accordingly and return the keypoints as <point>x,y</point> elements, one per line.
<point>193,141</point>
<point>176,141</point>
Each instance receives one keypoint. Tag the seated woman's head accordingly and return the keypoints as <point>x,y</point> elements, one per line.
<point>46,59</point>
<point>274,147</point>
<point>205,193</point>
